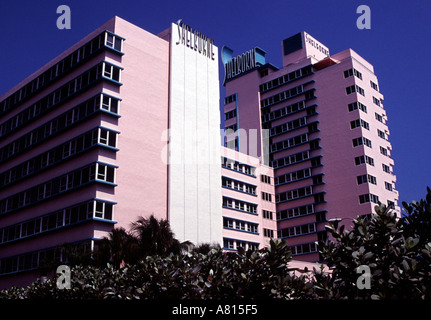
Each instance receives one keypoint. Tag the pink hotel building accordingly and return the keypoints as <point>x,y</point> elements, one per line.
<point>123,124</point>
<point>126,123</point>
<point>322,128</point>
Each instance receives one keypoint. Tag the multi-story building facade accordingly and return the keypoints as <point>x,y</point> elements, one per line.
<point>123,124</point>
<point>248,201</point>
<point>319,122</point>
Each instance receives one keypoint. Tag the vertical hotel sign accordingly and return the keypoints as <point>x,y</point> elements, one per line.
<point>195,40</point>
<point>243,63</point>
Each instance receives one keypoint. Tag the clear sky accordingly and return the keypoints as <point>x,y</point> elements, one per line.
<point>398,45</point>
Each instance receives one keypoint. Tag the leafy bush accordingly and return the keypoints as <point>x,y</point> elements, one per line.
<point>397,252</point>
<point>191,275</point>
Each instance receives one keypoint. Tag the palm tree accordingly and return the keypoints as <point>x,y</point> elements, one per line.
<point>118,248</point>
<point>155,236</point>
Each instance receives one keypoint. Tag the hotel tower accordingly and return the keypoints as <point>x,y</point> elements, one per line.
<point>123,124</point>
<point>320,123</point>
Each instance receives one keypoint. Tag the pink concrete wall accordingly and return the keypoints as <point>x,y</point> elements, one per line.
<point>256,199</point>
<point>142,175</point>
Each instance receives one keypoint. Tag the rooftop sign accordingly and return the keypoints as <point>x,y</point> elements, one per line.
<point>241,64</point>
<point>195,40</point>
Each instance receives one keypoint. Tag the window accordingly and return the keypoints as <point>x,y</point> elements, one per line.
<point>109,103</point>
<point>267,214</point>
<point>230,99</point>
<point>317,180</point>
<point>283,79</point>
<point>289,160</point>
<point>364,159</point>
<point>366,178</point>
<point>285,127</point>
<point>111,72</point>
<point>105,172</point>
<point>352,72</point>
<point>355,88</point>
<point>321,216</point>
<point>289,143</point>
<point>379,117</point>
<point>58,219</point>
<point>297,230</point>
<point>386,168</point>
<point>238,185</point>
<point>228,243</point>
<point>391,204</point>
<point>388,186</point>
<point>107,137</point>
<point>265,179</point>
<point>359,122</point>
<point>103,210</point>
<point>114,41</point>
<point>374,85</point>
<point>268,233</point>
<point>230,114</point>
<point>252,227</point>
<point>266,196</point>
<point>376,101</point>
<point>369,197</point>
<point>237,166</point>
<point>69,62</point>
<point>282,96</point>
<point>381,134</point>
<point>361,140</point>
<point>295,212</point>
<point>293,194</point>
<point>227,202</point>
<point>293,176</point>
<point>357,105</point>
<point>303,248</point>
<point>240,205</point>
<point>228,223</point>
<point>384,151</point>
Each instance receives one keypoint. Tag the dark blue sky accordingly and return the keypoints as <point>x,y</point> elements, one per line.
<point>398,45</point>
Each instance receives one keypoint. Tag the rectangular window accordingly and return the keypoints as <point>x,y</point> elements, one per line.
<point>374,85</point>
<point>265,179</point>
<point>352,72</point>
<point>384,151</point>
<point>361,140</point>
<point>267,214</point>
<point>388,186</point>
<point>386,168</point>
<point>268,233</point>
<point>379,117</point>
<point>230,114</point>
<point>359,123</point>
<point>266,196</point>
<point>381,134</point>
<point>113,41</point>
<point>355,88</point>
<point>376,101</point>
<point>110,104</point>
<point>366,178</point>
<point>369,197</point>
<point>230,99</point>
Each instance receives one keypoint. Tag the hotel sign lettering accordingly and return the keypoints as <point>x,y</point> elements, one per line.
<point>195,40</point>
<point>314,43</point>
<point>240,64</point>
